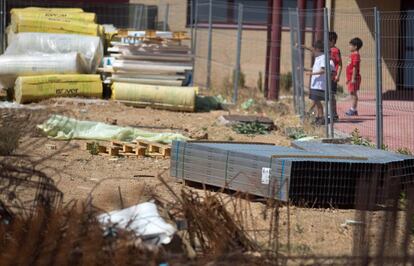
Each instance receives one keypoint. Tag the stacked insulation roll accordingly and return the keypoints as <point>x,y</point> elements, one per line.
<point>30,43</point>
<point>163,97</point>
<point>73,21</point>
<point>36,88</point>
<point>13,66</point>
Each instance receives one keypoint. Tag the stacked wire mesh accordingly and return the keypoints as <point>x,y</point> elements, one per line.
<point>311,174</point>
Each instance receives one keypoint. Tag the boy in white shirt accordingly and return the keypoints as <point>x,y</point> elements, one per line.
<point>318,81</point>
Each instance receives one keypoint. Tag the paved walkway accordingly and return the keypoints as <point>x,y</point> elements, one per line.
<point>398,122</point>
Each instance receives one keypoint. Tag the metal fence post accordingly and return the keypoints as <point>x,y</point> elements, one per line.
<point>294,66</point>
<point>301,88</point>
<point>194,39</point>
<point>210,36</point>
<point>328,77</point>
<point>2,25</point>
<point>166,16</point>
<point>238,54</point>
<point>378,74</point>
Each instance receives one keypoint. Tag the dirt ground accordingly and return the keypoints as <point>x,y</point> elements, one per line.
<point>80,175</point>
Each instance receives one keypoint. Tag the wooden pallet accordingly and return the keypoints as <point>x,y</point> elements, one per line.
<point>134,149</point>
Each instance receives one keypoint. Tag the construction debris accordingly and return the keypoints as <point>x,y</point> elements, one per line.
<point>65,128</point>
<point>143,219</point>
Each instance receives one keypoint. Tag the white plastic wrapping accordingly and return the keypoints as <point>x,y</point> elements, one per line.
<point>143,219</point>
<point>13,66</point>
<point>29,43</point>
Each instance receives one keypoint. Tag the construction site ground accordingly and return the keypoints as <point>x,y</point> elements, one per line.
<point>78,174</point>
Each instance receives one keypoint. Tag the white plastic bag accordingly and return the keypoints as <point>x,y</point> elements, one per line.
<point>143,219</point>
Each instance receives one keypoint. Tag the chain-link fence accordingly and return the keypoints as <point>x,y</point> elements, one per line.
<point>385,98</point>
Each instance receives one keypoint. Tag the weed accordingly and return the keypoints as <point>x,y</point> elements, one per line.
<point>286,81</point>
<point>250,128</point>
<point>404,151</point>
<point>9,140</point>
<point>242,79</point>
<point>230,138</point>
<point>357,139</point>
<point>299,229</point>
<point>204,128</point>
<point>94,148</point>
<point>260,82</point>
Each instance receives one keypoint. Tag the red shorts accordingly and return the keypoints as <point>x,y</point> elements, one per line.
<point>354,87</point>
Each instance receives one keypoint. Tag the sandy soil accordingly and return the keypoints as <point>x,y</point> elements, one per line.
<point>78,174</point>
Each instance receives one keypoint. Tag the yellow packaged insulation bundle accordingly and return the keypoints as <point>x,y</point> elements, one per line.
<point>55,10</point>
<point>55,20</point>
<point>163,97</point>
<point>36,88</point>
<point>22,15</point>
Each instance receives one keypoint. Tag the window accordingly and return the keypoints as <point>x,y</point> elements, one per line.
<point>255,12</point>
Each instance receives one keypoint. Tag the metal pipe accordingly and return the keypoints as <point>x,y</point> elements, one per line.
<point>378,74</point>
<point>273,93</point>
<point>210,36</point>
<point>166,16</point>
<point>268,47</point>
<point>238,55</point>
<point>1,27</point>
<point>328,78</point>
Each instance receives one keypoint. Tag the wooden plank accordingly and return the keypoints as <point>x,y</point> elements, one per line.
<point>155,57</point>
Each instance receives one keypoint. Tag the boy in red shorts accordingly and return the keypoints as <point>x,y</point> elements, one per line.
<point>353,77</point>
<point>337,60</point>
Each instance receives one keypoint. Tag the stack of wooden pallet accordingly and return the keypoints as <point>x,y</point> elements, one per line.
<point>154,58</point>
<point>130,149</point>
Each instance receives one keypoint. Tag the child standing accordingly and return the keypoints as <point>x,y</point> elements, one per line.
<point>318,81</point>
<point>337,60</point>
<point>353,77</point>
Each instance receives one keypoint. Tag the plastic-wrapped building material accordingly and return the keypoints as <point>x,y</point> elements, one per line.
<point>54,10</point>
<point>13,66</point>
<point>28,43</point>
<point>56,25</point>
<point>19,15</point>
<point>35,88</point>
<point>65,128</point>
<point>163,97</point>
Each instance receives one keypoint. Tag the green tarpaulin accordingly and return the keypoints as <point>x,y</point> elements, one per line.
<point>65,128</point>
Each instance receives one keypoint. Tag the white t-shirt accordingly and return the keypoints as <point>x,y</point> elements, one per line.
<point>318,82</point>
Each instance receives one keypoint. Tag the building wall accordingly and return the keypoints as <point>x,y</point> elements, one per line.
<point>355,18</point>
<point>352,18</point>
<point>177,12</point>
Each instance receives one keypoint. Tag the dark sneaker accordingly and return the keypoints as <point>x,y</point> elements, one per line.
<point>352,112</point>
<point>319,121</point>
